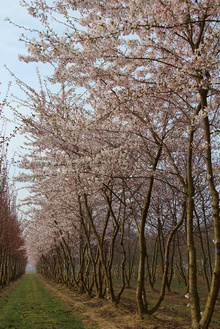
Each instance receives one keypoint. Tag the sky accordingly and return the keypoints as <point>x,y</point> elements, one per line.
<point>10,47</point>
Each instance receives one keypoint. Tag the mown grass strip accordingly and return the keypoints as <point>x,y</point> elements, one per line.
<point>31,306</point>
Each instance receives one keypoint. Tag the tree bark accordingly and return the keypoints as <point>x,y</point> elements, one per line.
<point>140,292</point>
<point>193,293</point>
<point>215,282</point>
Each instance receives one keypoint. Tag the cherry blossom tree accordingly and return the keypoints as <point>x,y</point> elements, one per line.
<point>149,73</point>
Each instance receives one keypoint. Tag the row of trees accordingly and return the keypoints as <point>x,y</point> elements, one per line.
<point>12,257</point>
<point>123,158</point>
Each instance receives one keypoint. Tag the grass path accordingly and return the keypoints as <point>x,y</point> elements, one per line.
<point>31,306</point>
<point>32,302</point>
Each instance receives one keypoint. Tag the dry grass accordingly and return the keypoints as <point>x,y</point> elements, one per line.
<point>125,315</point>
<point>173,313</point>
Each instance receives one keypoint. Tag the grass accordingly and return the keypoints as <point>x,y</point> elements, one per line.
<point>173,313</point>
<point>31,306</point>
<point>37,307</point>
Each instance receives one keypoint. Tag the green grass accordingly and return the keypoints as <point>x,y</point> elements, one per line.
<point>31,306</point>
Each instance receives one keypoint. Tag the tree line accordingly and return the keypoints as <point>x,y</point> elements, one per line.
<point>13,258</point>
<point>123,147</point>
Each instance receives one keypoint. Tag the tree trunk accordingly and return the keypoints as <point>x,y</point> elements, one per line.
<point>193,293</point>
<point>140,292</point>
<point>215,282</point>
<point>166,267</point>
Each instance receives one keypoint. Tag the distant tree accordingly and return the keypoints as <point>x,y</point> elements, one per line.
<point>13,257</point>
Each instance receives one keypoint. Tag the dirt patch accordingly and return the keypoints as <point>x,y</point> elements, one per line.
<point>103,313</point>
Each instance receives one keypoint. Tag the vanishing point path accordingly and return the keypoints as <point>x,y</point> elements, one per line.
<point>32,306</point>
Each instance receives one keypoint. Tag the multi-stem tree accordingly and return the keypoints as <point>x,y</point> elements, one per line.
<point>150,70</point>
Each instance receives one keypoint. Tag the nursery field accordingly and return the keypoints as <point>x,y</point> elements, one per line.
<point>33,302</point>
<point>117,178</point>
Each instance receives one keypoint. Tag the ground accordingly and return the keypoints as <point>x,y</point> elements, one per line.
<point>172,314</point>
<point>123,316</point>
